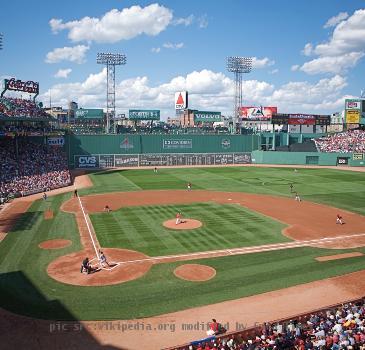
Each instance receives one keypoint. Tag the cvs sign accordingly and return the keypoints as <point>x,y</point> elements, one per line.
<point>87,161</point>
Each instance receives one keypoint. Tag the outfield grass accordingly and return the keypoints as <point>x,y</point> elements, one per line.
<point>25,287</point>
<point>224,226</point>
<point>339,188</point>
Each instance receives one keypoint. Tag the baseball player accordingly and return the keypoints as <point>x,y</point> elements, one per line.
<point>339,219</point>
<point>107,209</point>
<point>297,197</point>
<point>102,259</point>
<point>178,219</point>
<point>86,266</point>
<point>189,186</point>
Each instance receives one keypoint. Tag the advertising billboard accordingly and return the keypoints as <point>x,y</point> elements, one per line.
<point>56,141</point>
<point>179,143</point>
<point>89,113</point>
<point>30,87</point>
<point>144,114</point>
<point>181,100</point>
<point>352,116</point>
<point>87,161</point>
<point>352,104</point>
<point>300,119</point>
<point>257,113</point>
<point>205,116</point>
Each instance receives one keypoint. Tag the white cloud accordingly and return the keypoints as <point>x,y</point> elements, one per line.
<point>173,46</point>
<point>348,36</point>
<point>306,97</point>
<point>187,21</point>
<point>208,90</point>
<point>343,50</point>
<point>332,64</point>
<point>295,67</point>
<point>117,25</point>
<point>333,21</point>
<point>203,21</point>
<point>261,63</point>
<point>274,71</point>
<point>72,54</point>
<point>308,49</point>
<point>156,49</point>
<point>63,73</point>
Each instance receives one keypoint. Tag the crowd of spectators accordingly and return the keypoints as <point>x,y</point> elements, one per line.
<point>342,328</point>
<point>33,168</point>
<point>18,107</point>
<point>343,142</point>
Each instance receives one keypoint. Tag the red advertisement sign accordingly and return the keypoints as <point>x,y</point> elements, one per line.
<point>302,120</point>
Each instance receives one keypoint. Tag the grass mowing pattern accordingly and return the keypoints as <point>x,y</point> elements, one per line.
<point>25,287</point>
<point>342,189</point>
<point>224,226</point>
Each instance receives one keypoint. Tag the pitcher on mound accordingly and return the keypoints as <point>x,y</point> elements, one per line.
<point>178,219</point>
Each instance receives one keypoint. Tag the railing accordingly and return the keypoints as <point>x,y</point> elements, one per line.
<point>252,332</point>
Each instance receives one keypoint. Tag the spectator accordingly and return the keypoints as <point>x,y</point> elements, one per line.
<point>342,328</point>
<point>343,142</point>
<point>37,168</point>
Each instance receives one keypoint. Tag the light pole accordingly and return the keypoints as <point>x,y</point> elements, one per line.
<point>1,41</point>
<point>238,65</point>
<point>110,60</point>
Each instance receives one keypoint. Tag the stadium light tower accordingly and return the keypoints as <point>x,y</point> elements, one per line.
<point>1,41</point>
<point>110,60</point>
<point>238,65</point>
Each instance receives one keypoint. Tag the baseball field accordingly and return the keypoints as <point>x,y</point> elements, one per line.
<point>242,210</point>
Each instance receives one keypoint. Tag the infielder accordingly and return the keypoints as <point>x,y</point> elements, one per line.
<point>297,198</point>
<point>339,219</point>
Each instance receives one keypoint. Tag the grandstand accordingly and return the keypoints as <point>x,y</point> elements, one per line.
<point>338,327</point>
<point>31,159</point>
<point>352,141</point>
<point>21,108</point>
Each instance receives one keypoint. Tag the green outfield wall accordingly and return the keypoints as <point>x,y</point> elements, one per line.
<point>308,158</point>
<point>106,151</point>
<point>107,148</point>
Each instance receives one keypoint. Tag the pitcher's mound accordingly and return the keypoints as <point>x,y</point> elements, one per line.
<point>195,272</point>
<point>55,244</point>
<point>66,269</point>
<point>186,224</point>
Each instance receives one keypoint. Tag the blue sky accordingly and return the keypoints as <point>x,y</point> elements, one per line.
<point>308,55</point>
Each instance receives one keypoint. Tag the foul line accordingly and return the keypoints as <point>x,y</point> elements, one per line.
<point>88,228</point>
<point>244,250</point>
<point>115,264</point>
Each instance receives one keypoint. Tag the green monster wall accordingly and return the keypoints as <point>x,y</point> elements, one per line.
<point>122,144</point>
<point>307,158</point>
